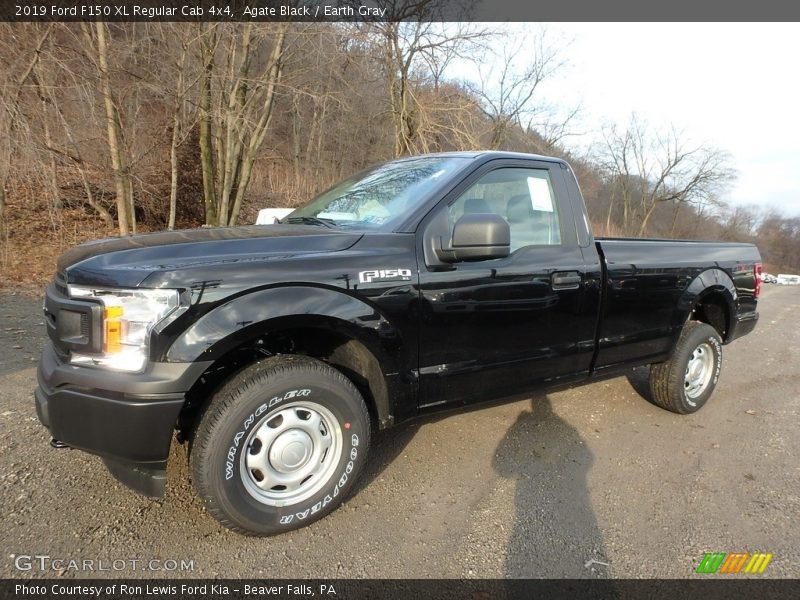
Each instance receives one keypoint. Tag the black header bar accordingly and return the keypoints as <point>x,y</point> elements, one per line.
<point>398,10</point>
<point>709,588</point>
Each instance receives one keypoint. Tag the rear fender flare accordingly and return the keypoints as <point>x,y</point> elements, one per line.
<point>710,281</point>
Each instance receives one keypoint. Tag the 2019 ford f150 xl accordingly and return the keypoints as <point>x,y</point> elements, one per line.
<point>418,285</point>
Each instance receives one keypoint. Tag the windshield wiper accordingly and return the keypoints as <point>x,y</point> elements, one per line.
<point>329,223</point>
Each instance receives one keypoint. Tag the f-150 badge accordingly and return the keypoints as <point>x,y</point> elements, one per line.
<point>384,275</point>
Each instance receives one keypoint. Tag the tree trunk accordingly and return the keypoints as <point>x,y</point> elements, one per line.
<point>305,172</point>
<point>52,175</point>
<point>643,227</point>
<point>611,197</point>
<point>626,202</point>
<point>318,149</point>
<point>173,173</point>
<point>205,140</point>
<point>296,142</point>
<point>121,177</point>
<point>396,81</point>
<point>498,133</point>
<point>234,117</point>
<point>131,206</point>
<point>674,219</point>
<point>176,138</point>
<point>260,131</point>
<point>2,210</point>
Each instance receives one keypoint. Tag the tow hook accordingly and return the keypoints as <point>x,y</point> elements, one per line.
<point>58,443</point>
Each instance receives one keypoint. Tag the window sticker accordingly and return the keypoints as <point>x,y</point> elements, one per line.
<point>541,199</point>
<point>338,216</point>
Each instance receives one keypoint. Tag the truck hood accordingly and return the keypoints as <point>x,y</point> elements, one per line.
<point>128,261</point>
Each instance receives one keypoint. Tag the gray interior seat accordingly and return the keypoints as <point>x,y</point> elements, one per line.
<point>476,205</point>
<point>528,226</point>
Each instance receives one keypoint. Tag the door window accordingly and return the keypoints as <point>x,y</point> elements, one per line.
<point>524,197</point>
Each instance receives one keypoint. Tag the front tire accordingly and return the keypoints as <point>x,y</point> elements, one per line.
<point>684,383</point>
<point>280,445</point>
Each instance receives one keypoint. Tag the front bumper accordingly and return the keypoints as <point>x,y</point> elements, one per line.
<point>126,418</point>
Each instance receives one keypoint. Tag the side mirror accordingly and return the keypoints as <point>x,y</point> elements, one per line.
<point>477,236</point>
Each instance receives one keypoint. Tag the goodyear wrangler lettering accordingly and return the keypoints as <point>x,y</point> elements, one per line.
<point>231,455</point>
<point>301,515</point>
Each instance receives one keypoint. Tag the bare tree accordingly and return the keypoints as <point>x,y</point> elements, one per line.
<point>316,89</point>
<point>649,170</point>
<point>414,56</point>
<point>618,159</point>
<point>52,75</point>
<point>208,46</point>
<point>235,114</point>
<point>10,116</point>
<point>52,185</point>
<point>739,222</point>
<point>509,89</point>
<point>179,85</point>
<point>97,42</point>
<point>243,114</point>
<point>779,239</point>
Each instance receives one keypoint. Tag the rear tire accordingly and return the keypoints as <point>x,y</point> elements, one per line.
<point>684,383</point>
<point>280,445</point>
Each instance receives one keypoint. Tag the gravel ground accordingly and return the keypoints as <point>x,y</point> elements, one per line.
<point>539,487</point>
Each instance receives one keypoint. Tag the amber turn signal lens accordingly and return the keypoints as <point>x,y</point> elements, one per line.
<point>112,340</point>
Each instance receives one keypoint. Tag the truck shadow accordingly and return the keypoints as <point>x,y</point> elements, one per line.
<point>639,379</point>
<point>555,532</point>
<point>388,444</point>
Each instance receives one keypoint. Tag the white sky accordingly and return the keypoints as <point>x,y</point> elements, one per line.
<point>735,86</point>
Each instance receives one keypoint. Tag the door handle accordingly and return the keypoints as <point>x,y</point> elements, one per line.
<point>566,280</point>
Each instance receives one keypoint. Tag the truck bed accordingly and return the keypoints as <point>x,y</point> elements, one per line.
<point>650,285</point>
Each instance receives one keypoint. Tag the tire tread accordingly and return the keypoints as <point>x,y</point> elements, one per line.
<point>666,383</point>
<point>227,396</point>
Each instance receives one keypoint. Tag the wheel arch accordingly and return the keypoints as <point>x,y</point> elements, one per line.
<point>710,298</point>
<point>326,324</point>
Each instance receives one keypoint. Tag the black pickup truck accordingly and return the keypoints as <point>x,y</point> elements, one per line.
<point>418,285</point>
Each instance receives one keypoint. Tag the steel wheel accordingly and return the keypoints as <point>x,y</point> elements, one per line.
<point>291,453</point>
<point>280,445</point>
<point>699,370</point>
<point>684,383</point>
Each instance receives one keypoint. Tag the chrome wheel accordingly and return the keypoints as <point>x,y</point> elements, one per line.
<point>699,371</point>
<point>291,453</point>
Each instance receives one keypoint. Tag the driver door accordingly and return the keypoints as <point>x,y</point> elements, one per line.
<point>491,328</point>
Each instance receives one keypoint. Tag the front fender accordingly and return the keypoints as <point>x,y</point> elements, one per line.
<point>279,308</point>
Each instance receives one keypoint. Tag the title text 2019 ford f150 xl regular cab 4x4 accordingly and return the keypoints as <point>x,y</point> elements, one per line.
<point>418,285</point>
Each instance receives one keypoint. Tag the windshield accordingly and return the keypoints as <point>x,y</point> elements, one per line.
<point>380,195</point>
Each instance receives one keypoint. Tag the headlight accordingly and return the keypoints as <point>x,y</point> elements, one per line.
<point>128,318</point>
